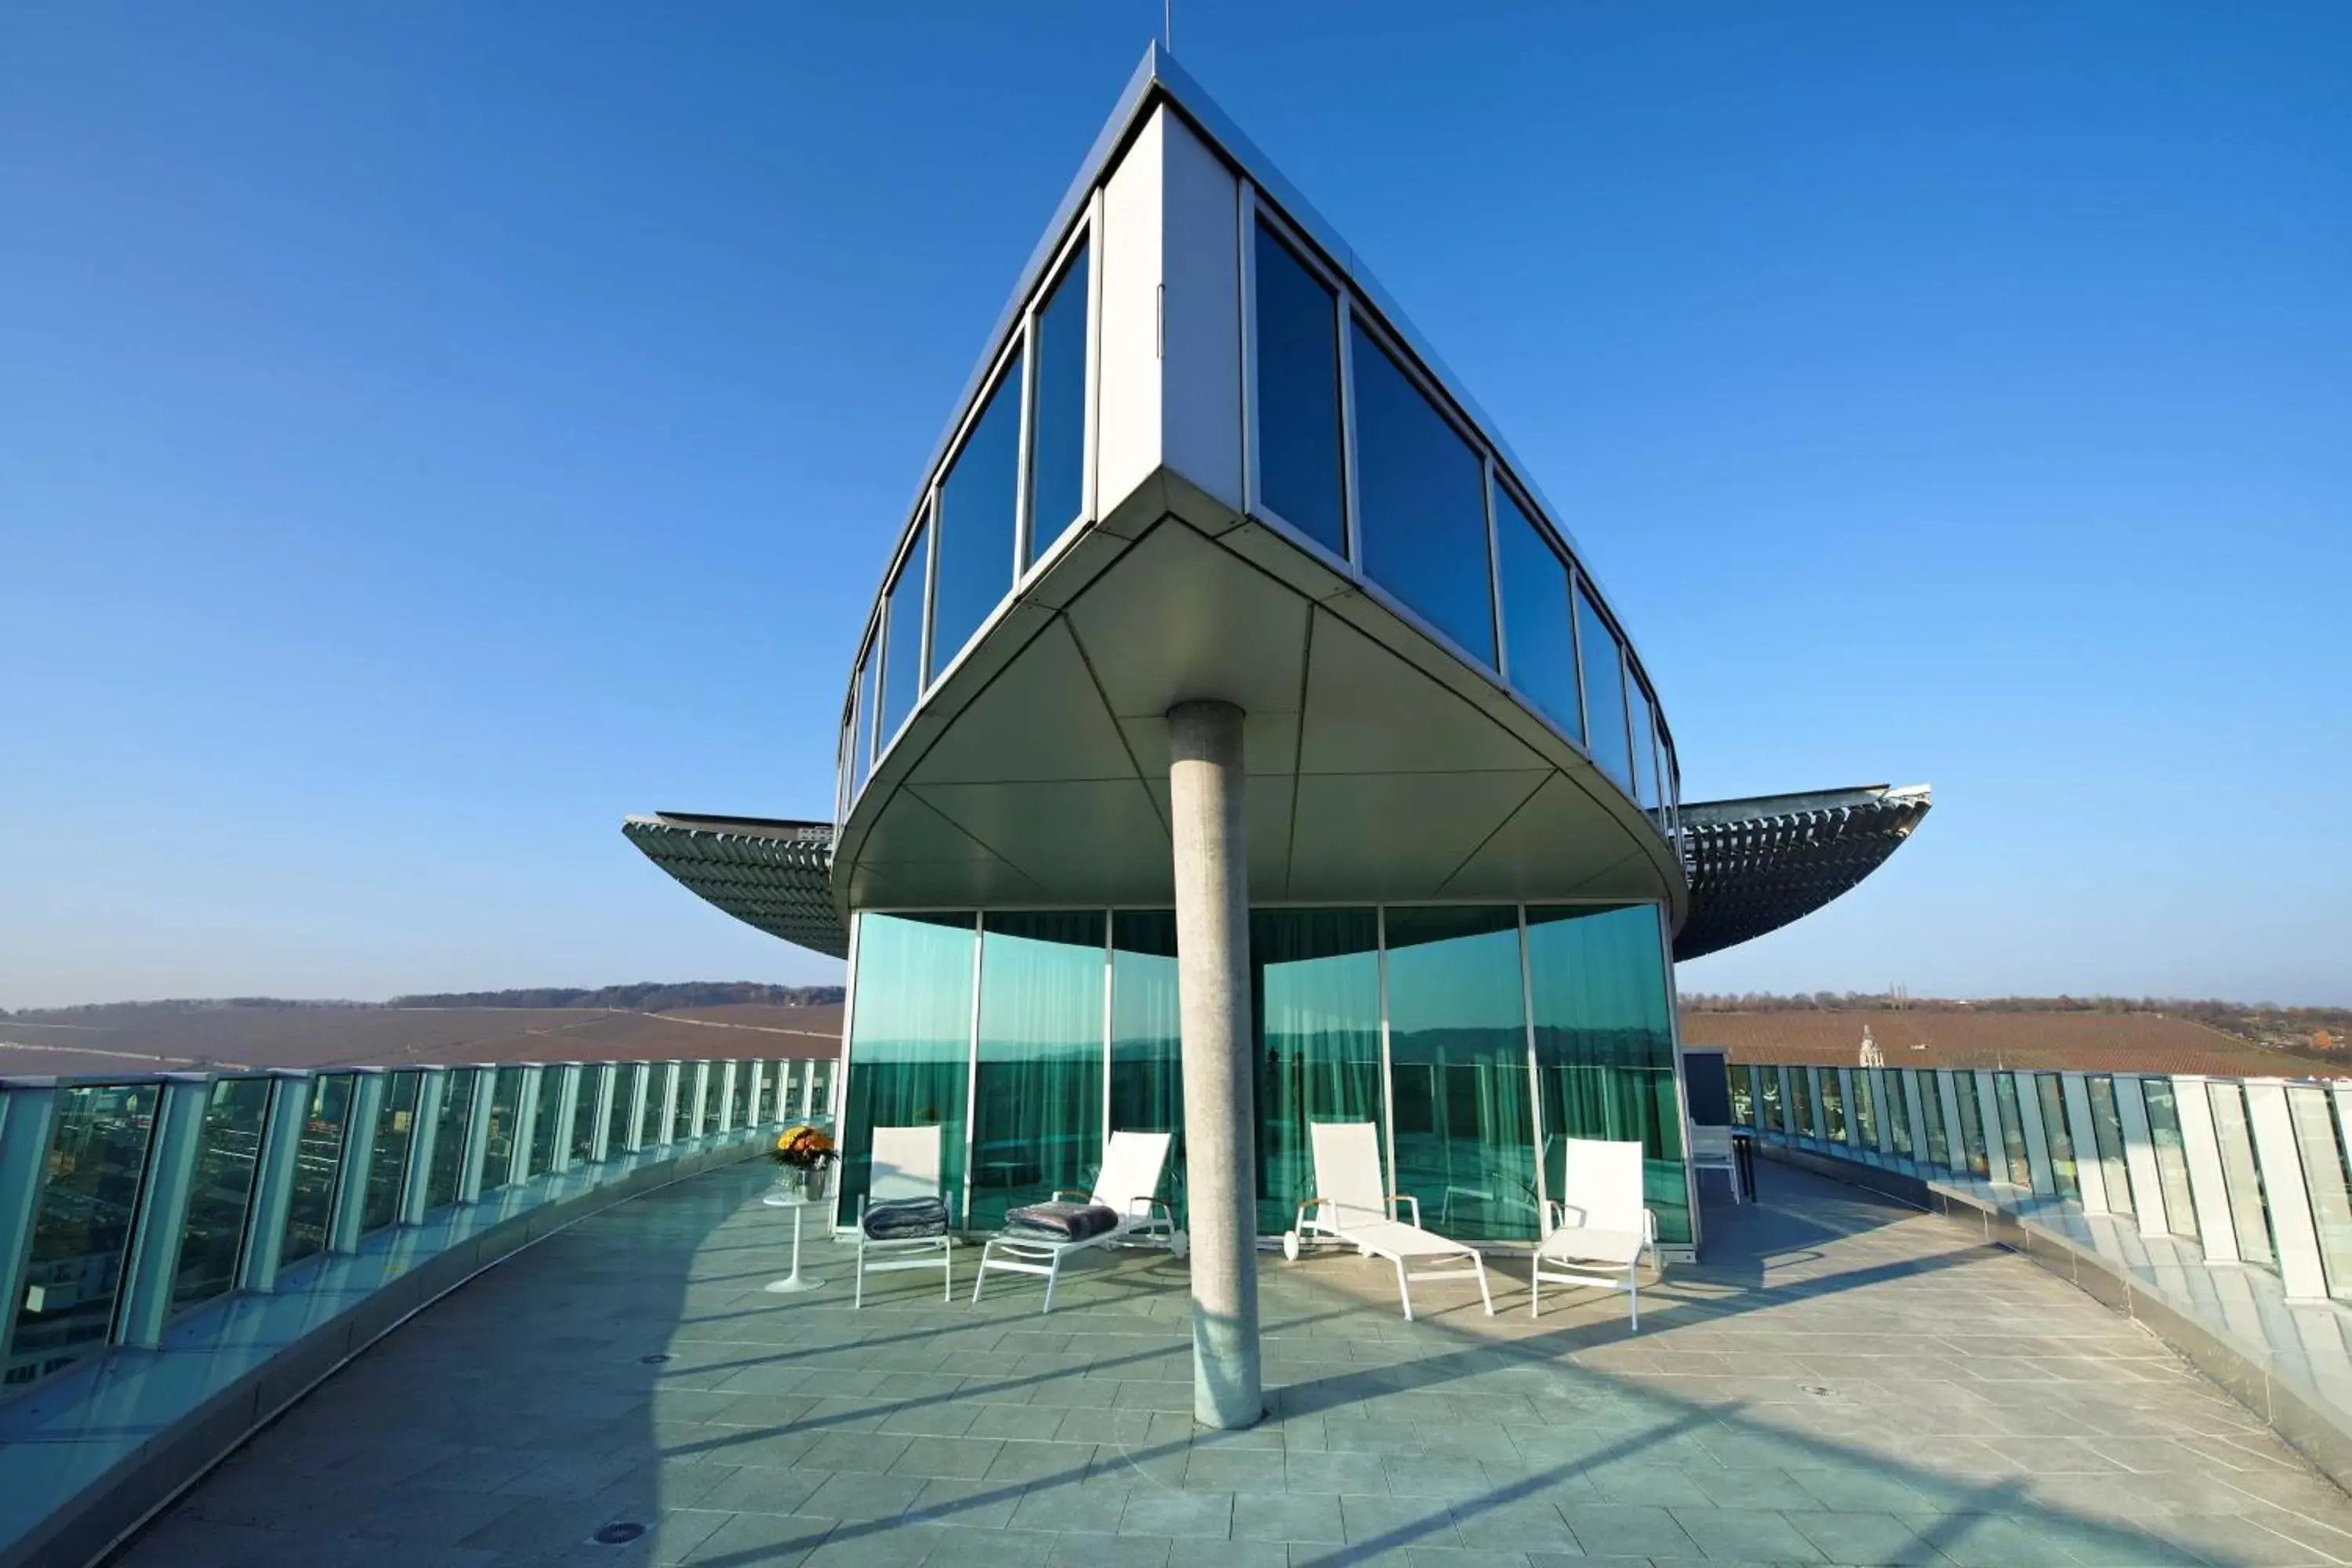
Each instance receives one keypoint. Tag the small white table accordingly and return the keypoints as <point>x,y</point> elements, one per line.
<point>792,1283</point>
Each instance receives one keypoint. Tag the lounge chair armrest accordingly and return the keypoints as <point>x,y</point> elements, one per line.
<point>1063,1194</point>
<point>1299,1223</point>
<point>1650,1227</point>
<point>1396,1198</point>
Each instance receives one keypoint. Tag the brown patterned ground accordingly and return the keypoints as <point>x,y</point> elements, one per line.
<point>2096,1042</point>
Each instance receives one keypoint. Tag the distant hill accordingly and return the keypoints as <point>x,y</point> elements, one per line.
<point>645,996</point>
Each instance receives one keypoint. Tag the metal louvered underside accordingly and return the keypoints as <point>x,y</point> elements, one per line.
<point>1758,864</point>
<point>1755,865</point>
<point>777,875</point>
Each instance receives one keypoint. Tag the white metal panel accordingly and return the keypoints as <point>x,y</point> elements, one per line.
<point>1200,370</point>
<point>1127,443</point>
<point>2139,1156</point>
<point>2290,1201</point>
<point>2089,1169</point>
<point>2209,1187</point>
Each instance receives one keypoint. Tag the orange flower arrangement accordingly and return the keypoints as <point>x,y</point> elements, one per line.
<point>805,1148</point>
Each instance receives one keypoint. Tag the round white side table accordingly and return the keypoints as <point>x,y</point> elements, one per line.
<point>793,1283</point>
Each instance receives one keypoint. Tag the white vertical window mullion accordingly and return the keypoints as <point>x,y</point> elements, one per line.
<point>2209,1188</point>
<point>2090,1170</point>
<point>1349,512</point>
<point>1025,447</point>
<point>1388,1077</point>
<point>2038,1164</point>
<point>2139,1156</point>
<point>1535,1074</point>
<point>972,1058</point>
<point>2300,1269</point>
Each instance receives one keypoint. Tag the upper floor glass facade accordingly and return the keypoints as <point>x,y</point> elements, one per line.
<point>1355,450</point>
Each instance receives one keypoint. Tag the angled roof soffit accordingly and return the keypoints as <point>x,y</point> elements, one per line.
<point>772,874</point>
<point>1761,862</point>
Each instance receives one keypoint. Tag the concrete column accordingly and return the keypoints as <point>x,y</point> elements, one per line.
<point>1204,790</point>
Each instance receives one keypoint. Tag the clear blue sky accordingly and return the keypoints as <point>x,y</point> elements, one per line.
<point>429,433</point>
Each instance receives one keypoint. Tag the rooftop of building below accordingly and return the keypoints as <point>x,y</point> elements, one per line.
<point>1843,1380</point>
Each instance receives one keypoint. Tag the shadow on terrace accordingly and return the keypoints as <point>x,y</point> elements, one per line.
<point>1844,1382</point>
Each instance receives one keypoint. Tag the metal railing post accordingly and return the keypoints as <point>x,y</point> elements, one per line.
<point>349,1210</point>
<point>694,1109</point>
<point>667,1124</point>
<point>2208,1184</point>
<point>273,1182</point>
<point>2090,1167</point>
<point>2300,1271</point>
<point>567,1106</point>
<point>1916,1104</point>
<point>1948,1101</point>
<point>641,1092</point>
<point>159,1220</point>
<point>727,1071</point>
<point>526,1127</point>
<point>2139,1156</point>
<point>423,1138</point>
<point>28,1120</point>
<point>470,1174</point>
<point>600,1133</point>
<point>2039,1169</point>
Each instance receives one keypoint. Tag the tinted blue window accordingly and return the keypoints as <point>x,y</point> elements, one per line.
<point>1057,448</point>
<point>1536,625</point>
<point>976,510</point>
<point>861,739</point>
<point>1605,691</point>
<point>902,648</point>
<point>1421,508</point>
<point>1298,395</point>
<point>1645,758</point>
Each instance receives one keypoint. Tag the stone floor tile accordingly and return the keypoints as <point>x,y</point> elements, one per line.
<point>771,1541</point>
<point>1359,1473</point>
<point>1397,1522</point>
<point>1287,1516</point>
<point>1196,1554</point>
<point>1152,1511</point>
<point>1086,1510</point>
<point>1744,1534</point>
<point>1111,1552</point>
<point>1616,1530</point>
<point>1232,1470</point>
<point>858,1495</point>
<point>1993,1541</point>
<point>1514,1527</point>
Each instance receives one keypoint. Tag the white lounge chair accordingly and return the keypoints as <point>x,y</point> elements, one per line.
<point>1353,1205</point>
<point>1128,1185</point>
<point>905,1165</point>
<point>1601,1222</point>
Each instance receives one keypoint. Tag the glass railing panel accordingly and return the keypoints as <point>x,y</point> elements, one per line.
<point>624,1100</point>
<point>2107,1127</point>
<point>1898,1113</point>
<point>1801,1097</point>
<point>1833,1105</point>
<point>2324,1177</point>
<point>747,1078</point>
<point>229,1157</point>
<point>501,1156</point>
<point>583,1112</point>
<point>547,1114</point>
<point>1743,1095</point>
<point>395,1135</point>
<point>1932,1118</point>
<point>1776,1115</point>
<point>2171,1155</point>
<point>98,1155</point>
<point>317,1165</point>
<point>2241,1176</point>
<point>712,1083</point>
<point>1973,1158</point>
<point>1865,1107</point>
<point>2050,1094</point>
<point>449,1133</point>
<point>2013,1129</point>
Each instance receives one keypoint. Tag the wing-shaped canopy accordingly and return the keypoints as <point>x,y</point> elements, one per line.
<point>1757,864</point>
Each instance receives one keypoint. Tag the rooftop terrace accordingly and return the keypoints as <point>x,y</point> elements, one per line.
<point>1844,1381</point>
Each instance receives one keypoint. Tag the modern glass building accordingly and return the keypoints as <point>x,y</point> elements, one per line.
<point>1205,458</point>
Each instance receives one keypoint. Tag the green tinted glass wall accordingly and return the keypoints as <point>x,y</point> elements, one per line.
<point>1458,1079</point>
<point>1315,1002</point>
<point>1147,1067</point>
<point>395,1135</point>
<point>458,1091</point>
<point>318,1167</point>
<point>98,1153</point>
<point>1038,1084</point>
<point>910,1041</point>
<point>1604,1044</point>
<point>228,1153</point>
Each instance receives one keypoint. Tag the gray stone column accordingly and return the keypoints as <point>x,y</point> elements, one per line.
<point>1204,789</point>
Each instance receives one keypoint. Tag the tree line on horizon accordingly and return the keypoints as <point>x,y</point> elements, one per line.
<point>643,997</point>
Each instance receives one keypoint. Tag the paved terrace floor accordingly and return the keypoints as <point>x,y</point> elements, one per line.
<point>1844,1382</point>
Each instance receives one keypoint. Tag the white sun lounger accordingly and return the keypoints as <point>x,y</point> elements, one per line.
<point>905,1165</point>
<point>1600,1222</point>
<point>1128,1185</point>
<point>1351,1205</point>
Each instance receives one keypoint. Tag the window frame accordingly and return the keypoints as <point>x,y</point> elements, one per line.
<point>1016,347</point>
<point>1255,211</point>
<point>1081,237</point>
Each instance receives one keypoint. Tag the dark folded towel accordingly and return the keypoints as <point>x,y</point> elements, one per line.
<point>1062,1221</point>
<point>904,1219</point>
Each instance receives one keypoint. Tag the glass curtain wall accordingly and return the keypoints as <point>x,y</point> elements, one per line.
<point>909,1044</point>
<point>1037,1099</point>
<point>1297,399</point>
<point>1538,632</point>
<point>902,644</point>
<point>975,521</point>
<point>1315,1004</point>
<point>1603,666</point>
<point>1458,1082</point>
<point>1421,502</point>
<point>1057,445</point>
<point>1605,1045</point>
<point>1147,1069</point>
